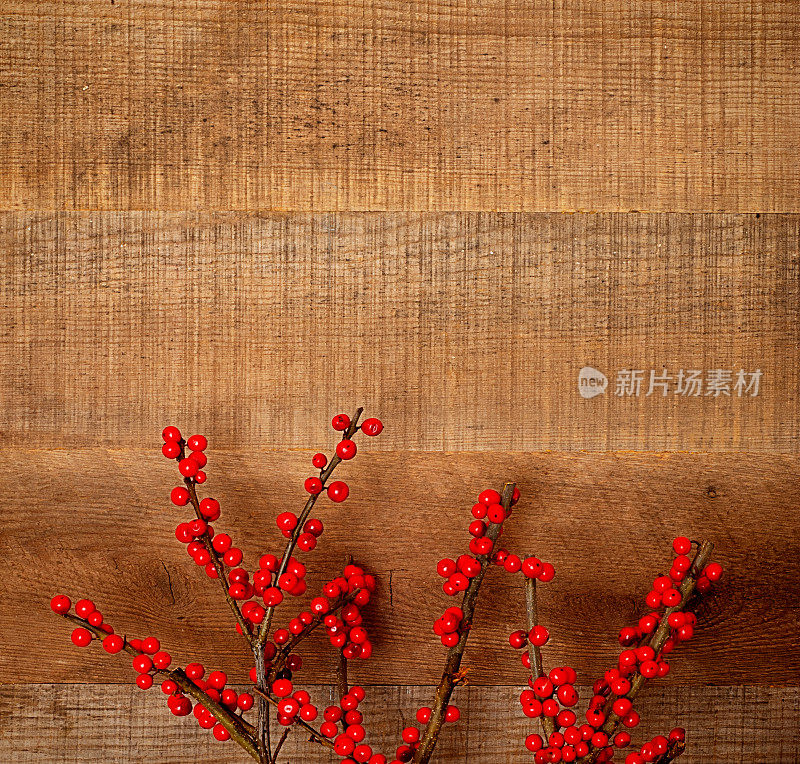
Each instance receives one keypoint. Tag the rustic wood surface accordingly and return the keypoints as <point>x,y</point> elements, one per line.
<point>243,217</point>
<point>99,523</point>
<point>464,331</point>
<point>351,105</point>
<point>89,722</point>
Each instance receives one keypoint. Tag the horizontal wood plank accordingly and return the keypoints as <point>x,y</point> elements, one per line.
<point>462,331</point>
<point>353,105</point>
<point>61,724</point>
<point>99,523</point>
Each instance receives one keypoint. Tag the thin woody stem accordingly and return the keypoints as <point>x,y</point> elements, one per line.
<point>534,651</point>
<point>219,567</point>
<point>451,675</point>
<point>240,730</point>
<point>259,639</point>
<point>315,736</point>
<point>656,642</point>
<point>280,744</point>
<point>266,624</point>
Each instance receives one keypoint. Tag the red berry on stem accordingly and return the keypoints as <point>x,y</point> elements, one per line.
<point>489,496</point>
<point>713,572</point>
<point>346,449</point>
<point>313,485</point>
<point>340,422</point>
<point>113,643</point>
<point>452,714</point>
<point>81,637</point>
<point>319,461</point>
<point>372,427</point>
<point>197,443</point>
<point>682,545</point>
<point>188,467</point>
<point>60,604</point>
<point>171,450</point>
<point>171,433</point>
<point>179,496</point>
<point>338,491</point>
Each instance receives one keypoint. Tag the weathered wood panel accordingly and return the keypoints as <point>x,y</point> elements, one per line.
<point>496,105</point>
<point>58,724</point>
<point>99,523</point>
<point>463,331</point>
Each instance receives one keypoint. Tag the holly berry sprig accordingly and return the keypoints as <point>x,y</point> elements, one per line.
<point>255,595</point>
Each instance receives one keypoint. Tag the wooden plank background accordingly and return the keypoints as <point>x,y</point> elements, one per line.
<point>243,217</point>
<point>466,330</point>
<point>443,105</point>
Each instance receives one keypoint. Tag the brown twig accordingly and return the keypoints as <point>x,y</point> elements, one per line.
<point>534,651</point>
<point>280,744</point>
<point>451,675</point>
<point>261,637</point>
<point>309,505</point>
<point>656,641</point>
<point>219,566</point>
<point>240,730</point>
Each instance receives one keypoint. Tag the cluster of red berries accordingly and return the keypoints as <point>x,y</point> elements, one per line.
<point>656,748</point>
<point>214,687</point>
<point>149,660</point>
<point>346,449</point>
<point>553,695</point>
<point>412,735</point>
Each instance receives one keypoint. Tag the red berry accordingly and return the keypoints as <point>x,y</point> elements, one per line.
<point>346,449</point>
<point>220,733</point>
<point>340,422</point>
<point>489,496</point>
<point>671,597</point>
<point>372,427</point>
<point>161,660</point>
<point>232,557</point>
<point>338,491</point>
<point>197,443</point>
<point>171,450</point>
<point>209,508</point>
<point>313,485</point>
<point>171,433</point>
<point>179,496</point>
<point>142,664</point>
<point>84,608</point>
<point>319,461</point>
<point>713,572</point>
<point>81,637</point>
<point>282,688</point>
<point>518,639</point>
<point>60,604</point>
<point>452,714</point>
<point>682,563</point>
<point>682,545</point>
<point>495,513</point>
<point>113,643</point>
<point>512,563</point>
<point>548,573</point>
<point>314,527</point>
<point>188,467</point>
<point>532,567</point>
<point>424,715</point>
<point>287,521</point>
<point>539,635</point>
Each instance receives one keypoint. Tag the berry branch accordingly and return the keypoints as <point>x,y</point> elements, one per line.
<point>550,697</point>
<point>534,649</point>
<point>655,644</point>
<point>238,729</point>
<point>451,675</point>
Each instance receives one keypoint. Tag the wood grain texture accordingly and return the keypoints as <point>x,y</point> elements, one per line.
<point>99,523</point>
<point>356,105</point>
<point>464,331</point>
<point>60,724</point>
